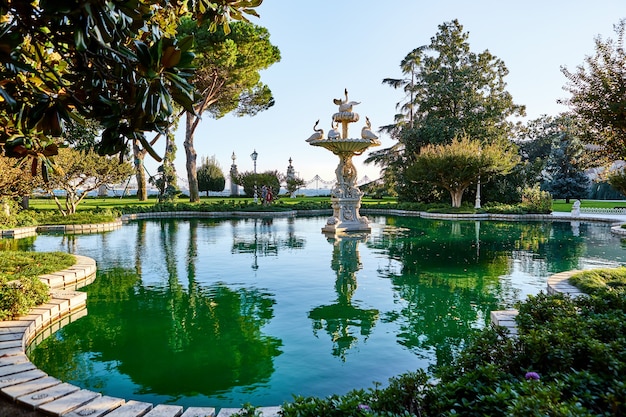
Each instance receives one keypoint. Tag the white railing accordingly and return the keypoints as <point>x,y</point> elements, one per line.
<point>603,210</point>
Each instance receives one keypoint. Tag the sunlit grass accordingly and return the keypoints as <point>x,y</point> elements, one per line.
<point>17,264</point>
<point>599,279</point>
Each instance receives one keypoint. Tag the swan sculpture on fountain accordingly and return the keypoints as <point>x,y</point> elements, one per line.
<point>366,132</point>
<point>318,135</point>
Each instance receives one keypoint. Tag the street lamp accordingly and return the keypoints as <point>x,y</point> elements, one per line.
<point>254,156</point>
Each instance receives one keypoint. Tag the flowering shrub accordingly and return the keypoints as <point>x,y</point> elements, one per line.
<point>568,360</point>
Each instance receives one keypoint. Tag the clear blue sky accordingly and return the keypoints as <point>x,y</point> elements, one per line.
<point>329,45</point>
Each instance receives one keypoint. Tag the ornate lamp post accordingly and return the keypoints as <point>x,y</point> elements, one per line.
<point>234,188</point>
<point>254,155</point>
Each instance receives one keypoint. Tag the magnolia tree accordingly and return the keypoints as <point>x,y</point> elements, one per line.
<point>119,63</point>
<point>79,173</point>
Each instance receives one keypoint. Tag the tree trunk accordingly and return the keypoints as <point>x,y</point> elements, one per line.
<point>457,197</point>
<point>140,173</point>
<point>190,153</point>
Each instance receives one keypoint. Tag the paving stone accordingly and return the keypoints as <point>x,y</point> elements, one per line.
<point>132,408</point>
<point>30,387</point>
<point>46,395</point>
<point>13,379</point>
<point>7,330</point>
<point>52,281</point>
<point>11,344</point>
<point>14,323</point>
<point>199,412</point>
<point>5,337</point>
<point>13,359</point>
<point>11,351</point>
<point>14,369</point>
<point>164,410</point>
<point>227,412</point>
<point>63,305</point>
<point>263,411</point>
<point>67,403</point>
<point>270,411</point>
<point>96,408</point>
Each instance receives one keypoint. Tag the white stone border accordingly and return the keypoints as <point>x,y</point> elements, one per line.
<point>21,232</point>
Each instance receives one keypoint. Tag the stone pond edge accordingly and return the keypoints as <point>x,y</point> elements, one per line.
<point>22,382</point>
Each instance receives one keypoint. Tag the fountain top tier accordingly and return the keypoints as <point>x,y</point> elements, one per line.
<point>338,141</point>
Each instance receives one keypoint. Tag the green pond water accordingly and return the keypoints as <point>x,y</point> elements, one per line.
<point>222,312</point>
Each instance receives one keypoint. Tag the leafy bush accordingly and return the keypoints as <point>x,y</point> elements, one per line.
<point>537,201</point>
<point>20,289</point>
<point>18,297</point>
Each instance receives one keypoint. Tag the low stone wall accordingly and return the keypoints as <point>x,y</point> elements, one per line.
<point>21,232</point>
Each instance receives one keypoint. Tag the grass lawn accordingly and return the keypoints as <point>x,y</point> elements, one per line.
<point>561,205</point>
<point>116,202</point>
<point>18,264</point>
<point>596,279</point>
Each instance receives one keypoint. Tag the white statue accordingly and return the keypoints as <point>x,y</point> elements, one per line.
<point>366,132</point>
<point>334,133</point>
<point>576,209</point>
<point>318,135</point>
<point>345,105</point>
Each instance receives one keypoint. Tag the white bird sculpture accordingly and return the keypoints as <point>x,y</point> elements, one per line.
<point>345,105</point>
<point>318,135</point>
<point>334,133</point>
<point>366,132</point>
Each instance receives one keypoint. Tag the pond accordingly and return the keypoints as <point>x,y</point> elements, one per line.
<point>208,312</point>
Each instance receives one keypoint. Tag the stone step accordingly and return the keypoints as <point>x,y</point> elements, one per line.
<point>13,379</point>
<point>30,387</point>
<point>199,412</point>
<point>263,411</point>
<point>97,408</point>
<point>17,368</point>
<point>13,359</point>
<point>132,408</point>
<point>47,395</point>
<point>164,410</point>
<point>67,403</point>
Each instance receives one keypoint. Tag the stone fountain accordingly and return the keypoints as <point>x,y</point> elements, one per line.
<point>345,195</point>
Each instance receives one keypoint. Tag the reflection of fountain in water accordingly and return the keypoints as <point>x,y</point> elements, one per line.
<point>343,320</point>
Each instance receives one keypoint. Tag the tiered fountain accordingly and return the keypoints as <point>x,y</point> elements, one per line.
<point>345,195</point>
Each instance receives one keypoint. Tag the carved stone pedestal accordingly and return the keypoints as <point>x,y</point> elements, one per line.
<point>346,217</point>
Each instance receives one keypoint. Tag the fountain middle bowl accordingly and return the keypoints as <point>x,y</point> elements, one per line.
<point>345,145</point>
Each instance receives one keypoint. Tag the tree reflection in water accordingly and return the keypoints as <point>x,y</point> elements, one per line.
<point>343,320</point>
<point>178,315</point>
<point>222,323</point>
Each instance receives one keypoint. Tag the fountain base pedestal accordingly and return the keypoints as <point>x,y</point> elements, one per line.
<point>346,217</point>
